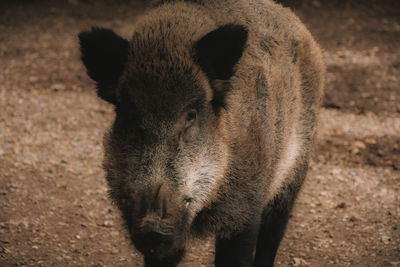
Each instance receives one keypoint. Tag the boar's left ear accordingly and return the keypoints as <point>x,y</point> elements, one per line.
<point>217,53</point>
<point>104,54</point>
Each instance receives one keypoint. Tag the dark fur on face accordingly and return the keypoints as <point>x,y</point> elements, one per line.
<point>215,103</point>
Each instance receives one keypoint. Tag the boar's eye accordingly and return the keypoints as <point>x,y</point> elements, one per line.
<point>190,118</point>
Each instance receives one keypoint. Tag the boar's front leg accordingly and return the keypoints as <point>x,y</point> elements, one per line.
<point>275,219</point>
<point>271,233</point>
<point>237,251</point>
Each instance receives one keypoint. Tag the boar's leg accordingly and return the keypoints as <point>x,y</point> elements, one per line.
<point>237,250</point>
<point>170,261</point>
<point>271,233</point>
<point>274,221</point>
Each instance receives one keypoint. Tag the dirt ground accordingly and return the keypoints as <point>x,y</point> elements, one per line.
<point>54,209</point>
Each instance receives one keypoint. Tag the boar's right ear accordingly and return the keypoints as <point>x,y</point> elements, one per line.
<point>217,54</point>
<point>104,54</point>
<point>218,51</point>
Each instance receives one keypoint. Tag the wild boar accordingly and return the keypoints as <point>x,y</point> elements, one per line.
<point>215,110</point>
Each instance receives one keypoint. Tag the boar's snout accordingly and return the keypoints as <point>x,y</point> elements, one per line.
<point>160,222</point>
<point>158,236</point>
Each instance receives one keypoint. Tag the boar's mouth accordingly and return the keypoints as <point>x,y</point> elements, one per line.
<point>159,236</point>
<point>153,226</point>
<point>157,240</point>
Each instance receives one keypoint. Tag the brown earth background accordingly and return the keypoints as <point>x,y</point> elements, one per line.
<point>54,209</point>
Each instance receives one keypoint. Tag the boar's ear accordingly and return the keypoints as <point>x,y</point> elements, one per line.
<point>218,51</point>
<point>104,54</point>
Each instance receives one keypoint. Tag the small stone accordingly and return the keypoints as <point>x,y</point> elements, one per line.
<point>107,224</point>
<point>297,261</point>
<point>370,141</point>
<point>33,79</point>
<point>359,144</point>
<point>62,186</point>
<point>337,132</point>
<point>385,239</point>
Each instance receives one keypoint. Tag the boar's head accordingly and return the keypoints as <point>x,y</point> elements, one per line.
<point>166,153</point>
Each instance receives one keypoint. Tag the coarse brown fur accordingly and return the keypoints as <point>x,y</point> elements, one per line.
<point>199,149</point>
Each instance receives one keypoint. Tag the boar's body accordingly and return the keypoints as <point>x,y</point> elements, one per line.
<point>216,104</point>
